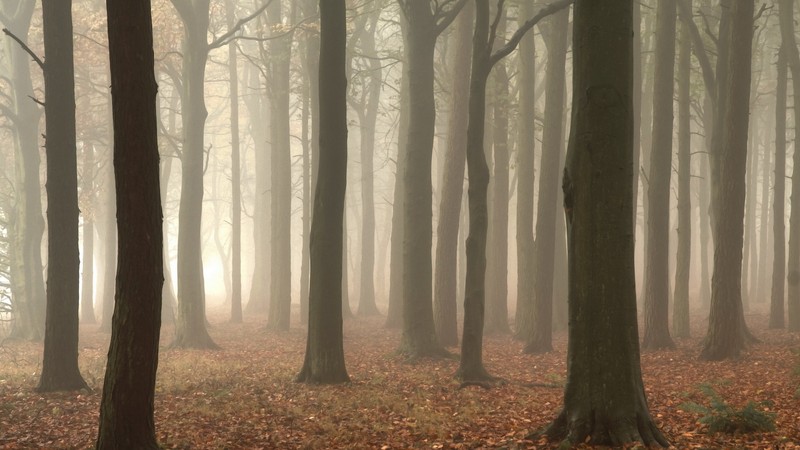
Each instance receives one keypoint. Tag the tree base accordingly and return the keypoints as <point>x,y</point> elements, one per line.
<point>434,352</point>
<point>62,384</point>
<point>589,427</point>
<point>197,343</point>
<point>327,377</point>
<point>537,348</point>
<point>663,342</point>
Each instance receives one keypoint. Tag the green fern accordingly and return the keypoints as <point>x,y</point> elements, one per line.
<point>722,418</point>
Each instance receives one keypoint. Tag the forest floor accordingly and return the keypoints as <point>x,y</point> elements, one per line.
<point>244,396</point>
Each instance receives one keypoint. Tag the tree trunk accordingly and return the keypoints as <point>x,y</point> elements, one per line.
<point>280,298</point>
<point>680,312</point>
<point>555,37</point>
<point>419,333</point>
<point>191,329</point>
<point>236,177</point>
<point>497,298</point>
<point>726,328</point>
<point>88,210</point>
<point>60,362</point>
<point>777,297</point>
<point>656,288</point>
<point>445,287</point>
<point>366,298</point>
<point>324,360</point>
<point>793,262</point>
<point>126,410</point>
<point>763,238</point>
<point>526,143</point>
<point>604,399</point>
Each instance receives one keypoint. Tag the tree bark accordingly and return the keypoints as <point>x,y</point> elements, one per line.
<point>656,287</point>
<point>446,281</point>
<point>604,399</point>
<point>236,175</point>
<point>777,294</point>
<point>88,210</point>
<point>726,328</point>
<point>126,410</point>
<point>60,362</point>
<point>324,360</point>
<point>680,316</point>
<point>555,37</point>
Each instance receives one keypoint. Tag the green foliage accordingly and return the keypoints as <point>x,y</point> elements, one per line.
<point>721,417</point>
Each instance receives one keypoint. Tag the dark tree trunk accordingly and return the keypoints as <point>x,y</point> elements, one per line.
<point>777,296</point>
<point>236,176</point>
<point>446,277</point>
<point>324,360</point>
<point>555,37</point>
<point>604,399</point>
<point>726,328</point>
<point>126,410</point>
<point>280,298</point>
<point>60,363</point>
<point>88,210</point>
<point>526,143</point>
<point>793,261</point>
<point>27,268</point>
<point>680,316</point>
<point>656,287</point>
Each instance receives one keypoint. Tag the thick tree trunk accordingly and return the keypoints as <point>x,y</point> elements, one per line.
<point>60,362</point>
<point>793,261</point>
<point>126,410</point>
<point>656,287</point>
<point>726,328</point>
<point>680,312</point>
<point>777,295</point>
<point>324,360</point>
<point>604,400</point>
<point>555,37</point>
<point>419,333</point>
<point>446,281</point>
<point>88,210</point>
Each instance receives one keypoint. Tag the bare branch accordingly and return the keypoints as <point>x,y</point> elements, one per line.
<point>225,38</point>
<point>709,77</point>
<point>525,27</point>
<point>25,47</point>
<point>445,18</point>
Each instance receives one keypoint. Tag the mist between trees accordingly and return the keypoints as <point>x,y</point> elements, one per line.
<point>617,175</point>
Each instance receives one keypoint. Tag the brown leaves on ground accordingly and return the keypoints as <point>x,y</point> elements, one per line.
<point>244,396</point>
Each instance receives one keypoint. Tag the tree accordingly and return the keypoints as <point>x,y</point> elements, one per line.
<point>604,398</point>
<point>324,360</point>
<point>452,189</point>
<point>191,325</point>
<point>87,194</point>
<point>280,299</point>
<point>680,316</point>
<point>60,362</point>
<point>425,22</point>
<point>656,280</point>
<point>786,18</point>
<point>777,296</point>
<point>483,59</point>
<point>555,37</point>
<point>26,267</point>
<point>126,410</point>
<point>727,332</point>
<point>236,176</point>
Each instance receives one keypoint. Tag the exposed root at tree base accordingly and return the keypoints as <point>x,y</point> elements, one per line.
<point>585,427</point>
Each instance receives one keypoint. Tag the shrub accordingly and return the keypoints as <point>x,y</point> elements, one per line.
<point>721,417</point>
